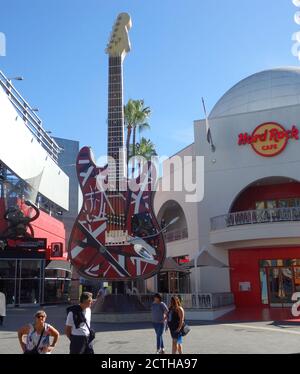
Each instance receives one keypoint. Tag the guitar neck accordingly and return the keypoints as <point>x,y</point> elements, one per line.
<point>115,138</point>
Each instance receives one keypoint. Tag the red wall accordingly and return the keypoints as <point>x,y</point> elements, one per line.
<point>51,228</point>
<point>244,267</point>
<point>45,226</point>
<point>247,199</point>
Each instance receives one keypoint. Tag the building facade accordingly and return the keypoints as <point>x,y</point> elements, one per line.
<point>249,218</point>
<point>33,260</point>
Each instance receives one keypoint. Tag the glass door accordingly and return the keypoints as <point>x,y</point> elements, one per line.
<point>8,274</point>
<point>29,282</point>
<point>280,281</point>
<point>21,281</point>
<point>173,282</point>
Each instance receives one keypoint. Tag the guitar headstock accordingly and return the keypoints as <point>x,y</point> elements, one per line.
<point>119,43</point>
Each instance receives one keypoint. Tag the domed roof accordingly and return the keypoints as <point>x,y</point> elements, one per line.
<point>264,90</point>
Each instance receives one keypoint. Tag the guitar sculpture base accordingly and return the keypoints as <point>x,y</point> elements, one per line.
<point>118,304</point>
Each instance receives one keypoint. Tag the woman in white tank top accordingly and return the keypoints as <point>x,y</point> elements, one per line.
<point>38,335</point>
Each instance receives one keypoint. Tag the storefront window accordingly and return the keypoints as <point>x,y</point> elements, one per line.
<point>279,279</point>
<point>163,285</point>
<point>281,285</point>
<point>30,269</point>
<point>260,205</point>
<point>8,269</point>
<point>264,286</point>
<point>29,291</point>
<point>56,286</point>
<point>8,279</point>
<point>8,287</point>
<point>283,204</point>
<point>174,282</point>
<point>184,283</point>
<point>26,282</point>
<point>297,279</point>
<point>271,204</point>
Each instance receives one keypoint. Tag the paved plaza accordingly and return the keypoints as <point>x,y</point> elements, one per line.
<point>219,337</point>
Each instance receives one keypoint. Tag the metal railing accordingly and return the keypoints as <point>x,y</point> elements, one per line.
<point>189,301</point>
<point>250,217</point>
<point>173,235</point>
<point>30,118</point>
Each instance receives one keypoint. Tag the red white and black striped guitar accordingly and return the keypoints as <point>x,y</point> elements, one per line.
<point>116,235</point>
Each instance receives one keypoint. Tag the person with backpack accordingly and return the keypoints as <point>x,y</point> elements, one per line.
<point>159,312</point>
<point>78,326</point>
<point>38,336</point>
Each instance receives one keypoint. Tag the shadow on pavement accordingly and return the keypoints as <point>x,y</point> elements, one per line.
<point>56,316</point>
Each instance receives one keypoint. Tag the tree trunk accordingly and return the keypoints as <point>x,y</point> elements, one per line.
<point>133,148</point>
<point>133,140</point>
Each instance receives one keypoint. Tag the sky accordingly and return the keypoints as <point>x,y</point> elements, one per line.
<point>181,50</point>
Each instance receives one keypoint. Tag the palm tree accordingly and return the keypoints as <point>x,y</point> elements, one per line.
<point>136,115</point>
<point>145,148</point>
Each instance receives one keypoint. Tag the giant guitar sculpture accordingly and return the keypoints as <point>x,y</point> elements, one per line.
<point>116,235</point>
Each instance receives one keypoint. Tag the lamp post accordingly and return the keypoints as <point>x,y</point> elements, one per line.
<point>197,278</point>
<point>9,85</point>
<point>18,78</point>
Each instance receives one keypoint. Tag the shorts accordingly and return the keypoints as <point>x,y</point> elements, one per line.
<point>79,345</point>
<point>176,336</point>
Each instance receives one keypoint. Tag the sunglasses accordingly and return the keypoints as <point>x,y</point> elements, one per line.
<point>40,316</point>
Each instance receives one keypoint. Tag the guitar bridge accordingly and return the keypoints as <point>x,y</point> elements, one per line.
<point>116,237</point>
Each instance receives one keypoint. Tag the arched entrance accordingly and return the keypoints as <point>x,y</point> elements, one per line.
<point>269,273</point>
<point>272,199</point>
<point>268,193</point>
<point>172,278</point>
<point>179,230</point>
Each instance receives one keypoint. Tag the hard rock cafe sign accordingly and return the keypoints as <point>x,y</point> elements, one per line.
<point>269,139</point>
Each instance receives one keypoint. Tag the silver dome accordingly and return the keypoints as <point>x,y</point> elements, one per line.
<point>264,90</point>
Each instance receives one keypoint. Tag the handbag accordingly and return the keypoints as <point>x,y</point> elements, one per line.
<point>34,350</point>
<point>185,329</point>
<point>92,335</point>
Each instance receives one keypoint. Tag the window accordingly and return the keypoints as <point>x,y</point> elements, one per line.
<point>271,204</point>
<point>260,205</point>
<point>297,202</point>
<point>283,203</point>
<point>280,203</point>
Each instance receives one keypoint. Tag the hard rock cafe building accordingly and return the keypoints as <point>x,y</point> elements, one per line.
<point>249,218</point>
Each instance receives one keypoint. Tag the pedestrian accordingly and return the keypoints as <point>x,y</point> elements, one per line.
<point>175,324</point>
<point>2,308</point>
<point>102,292</point>
<point>38,335</point>
<point>159,316</point>
<point>78,326</point>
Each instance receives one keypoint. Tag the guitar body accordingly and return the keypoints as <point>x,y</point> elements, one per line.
<point>107,238</point>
